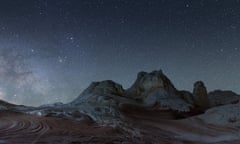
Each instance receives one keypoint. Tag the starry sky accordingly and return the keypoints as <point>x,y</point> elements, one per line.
<point>51,50</point>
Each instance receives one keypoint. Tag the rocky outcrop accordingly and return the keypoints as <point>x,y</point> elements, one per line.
<point>226,115</point>
<point>155,88</point>
<point>200,96</point>
<point>100,101</point>
<point>104,88</point>
<point>219,97</point>
<point>148,82</point>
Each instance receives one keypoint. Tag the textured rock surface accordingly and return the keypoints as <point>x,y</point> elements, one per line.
<point>227,115</point>
<point>104,88</point>
<point>187,96</point>
<point>148,82</point>
<point>155,88</point>
<point>100,101</point>
<point>218,97</point>
<point>17,128</point>
<point>28,129</point>
<point>200,96</point>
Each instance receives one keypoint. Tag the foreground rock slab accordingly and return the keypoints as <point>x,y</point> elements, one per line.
<point>23,128</point>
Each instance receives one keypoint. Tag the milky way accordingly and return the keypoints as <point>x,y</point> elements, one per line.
<point>51,50</point>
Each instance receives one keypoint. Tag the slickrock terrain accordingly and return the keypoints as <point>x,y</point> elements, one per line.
<point>151,111</point>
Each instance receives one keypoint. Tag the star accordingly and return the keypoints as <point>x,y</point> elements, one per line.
<point>71,39</point>
<point>3,28</point>
<point>233,27</point>
<point>62,59</point>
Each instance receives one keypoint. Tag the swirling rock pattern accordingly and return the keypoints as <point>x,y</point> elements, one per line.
<point>17,128</point>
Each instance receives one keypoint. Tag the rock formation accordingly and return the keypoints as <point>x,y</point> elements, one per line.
<point>100,101</point>
<point>200,96</point>
<point>147,83</point>
<point>104,88</point>
<point>155,88</point>
<point>219,97</point>
<point>104,100</point>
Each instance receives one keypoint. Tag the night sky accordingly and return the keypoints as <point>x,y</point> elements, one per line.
<point>51,50</point>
